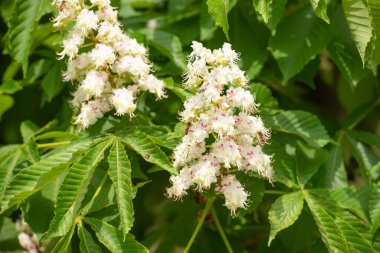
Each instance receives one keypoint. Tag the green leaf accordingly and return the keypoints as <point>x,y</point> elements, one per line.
<point>367,137</point>
<point>37,69</point>
<point>332,236</point>
<point>284,212</point>
<point>253,53</point>
<point>142,144</point>
<point>113,239</point>
<point>87,243</point>
<point>10,87</point>
<point>169,45</point>
<point>7,166</point>
<point>333,173</point>
<point>64,243</point>
<point>262,7</point>
<point>27,129</point>
<point>73,190</point>
<point>52,83</point>
<point>176,88</point>
<point>300,123</point>
<point>365,157</point>
<point>263,96</point>
<point>293,46</point>
<point>6,102</point>
<point>359,114</point>
<point>276,11</point>
<point>256,187</point>
<point>284,148</point>
<point>354,199</point>
<point>30,152</point>
<point>320,9</point>
<point>218,9</point>
<point>341,230</point>
<point>23,23</point>
<point>120,174</point>
<point>374,208</point>
<point>308,161</point>
<point>207,23</point>
<point>343,52</point>
<point>35,177</point>
<point>360,24</point>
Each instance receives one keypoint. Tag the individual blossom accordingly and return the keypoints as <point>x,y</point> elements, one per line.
<point>108,67</point>
<point>223,136</point>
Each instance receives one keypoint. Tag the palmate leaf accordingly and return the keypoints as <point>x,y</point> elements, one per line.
<point>142,144</point>
<point>113,239</point>
<point>26,15</point>
<point>341,230</point>
<point>73,189</point>
<point>6,168</point>
<point>284,212</point>
<point>293,46</point>
<point>300,123</point>
<point>218,9</point>
<point>87,243</point>
<point>332,236</point>
<point>360,23</point>
<point>35,177</point>
<point>120,174</point>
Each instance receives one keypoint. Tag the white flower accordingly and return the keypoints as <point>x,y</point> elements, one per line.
<point>227,152</point>
<point>123,101</point>
<point>101,3</point>
<point>187,151</point>
<point>222,123</point>
<point>241,98</point>
<point>135,66</point>
<point>180,183</point>
<point>109,67</point>
<point>234,193</point>
<point>109,33</point>
<point>253,126</point>
<point>71,46</point>
<point>107,13</point>
<point>86,20</point>
<point>206,172</point>
<point>257,161</point>
<point>219,115</point>
<point>128,46</point>
<point>102,55</point>
<point>153,85</point>
<point>91,112</point>
<point>94,83</point>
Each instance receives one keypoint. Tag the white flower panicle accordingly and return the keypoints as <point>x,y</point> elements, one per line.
<point>109,67</point>
<point>219,114</point>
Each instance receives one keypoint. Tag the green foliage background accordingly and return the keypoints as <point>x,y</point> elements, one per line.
<point>314,68</point>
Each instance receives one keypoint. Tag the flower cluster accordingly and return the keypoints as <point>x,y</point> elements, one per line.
<point>109,67</point>
<point>221,132</point>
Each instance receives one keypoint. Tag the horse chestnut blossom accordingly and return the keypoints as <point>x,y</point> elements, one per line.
<point>222,137</point>
<point>108,66</point>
